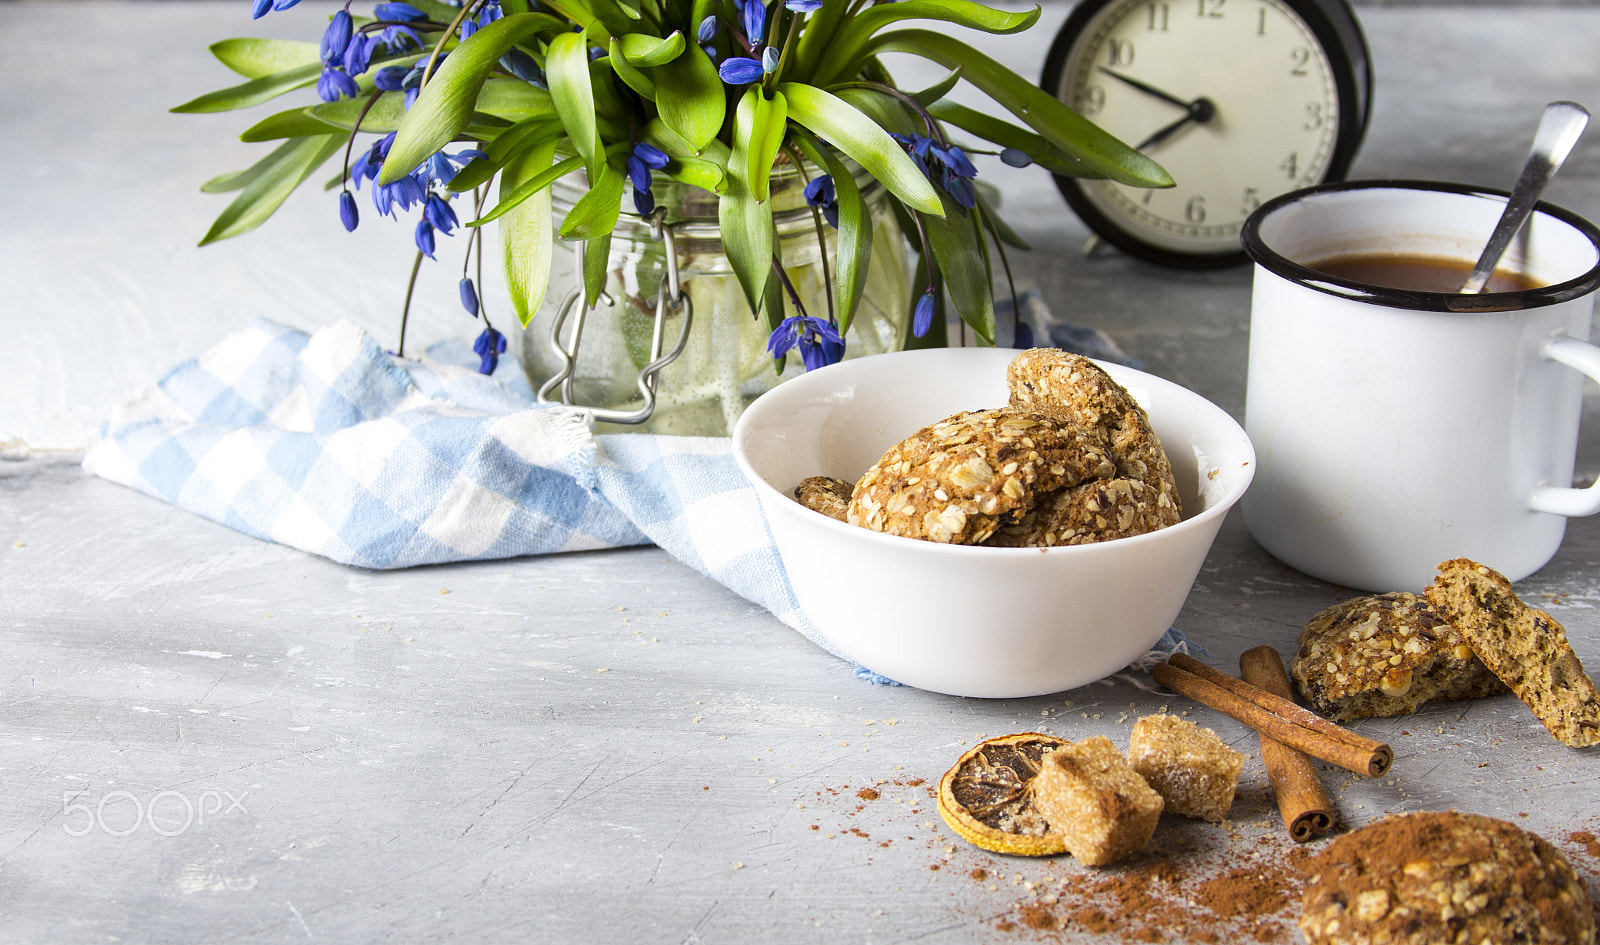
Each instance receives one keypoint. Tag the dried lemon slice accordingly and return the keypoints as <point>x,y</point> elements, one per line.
<point>987,797</point>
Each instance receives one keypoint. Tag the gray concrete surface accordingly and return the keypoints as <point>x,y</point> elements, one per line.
<point>207,738</point>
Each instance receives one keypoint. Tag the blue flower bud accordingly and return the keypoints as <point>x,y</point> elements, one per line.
<point>1023,339</point>
<point>652,156</point>
<point>423,237</point>
<point>396,10</point>
<point>644,202</point>
<point>1015,157</point>
<point>804,6</point>
<point>390,78</point>
<point>755,21</point>
<point>922,315</point>
<point>638,174</point>
<point>708,28</point>
<point>337,36</point>
<point>738,70</point>
<point>957,161</point>
<point>358,54</point>
<point>469,296</point>
<point>259,8</point>
<point>820,191</point>
<point>769,60</point>
<point>348,215</point>
<point>960,190</point>
<point>710,51</point>
<point>282,5</point>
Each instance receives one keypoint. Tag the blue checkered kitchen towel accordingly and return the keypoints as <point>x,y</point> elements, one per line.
<point>325,443</point>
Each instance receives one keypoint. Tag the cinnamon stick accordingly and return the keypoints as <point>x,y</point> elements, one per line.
<point>1286,722</point>
<point>1302,802</point>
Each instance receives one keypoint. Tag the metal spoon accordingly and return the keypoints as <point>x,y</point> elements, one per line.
<point>1558,131</point>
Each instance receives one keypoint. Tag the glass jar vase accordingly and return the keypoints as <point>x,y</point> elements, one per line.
<point>724,364</point>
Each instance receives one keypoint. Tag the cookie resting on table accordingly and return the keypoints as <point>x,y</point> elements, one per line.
<point>1385,654</point>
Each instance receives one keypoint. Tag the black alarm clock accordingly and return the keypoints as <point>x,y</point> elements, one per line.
<point>1240,100</point>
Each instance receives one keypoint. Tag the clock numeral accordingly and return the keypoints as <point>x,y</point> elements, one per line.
<point>1314,117</point>
<point>1119,52</point>
<point>1209,9</point>
<point>1148,193</point>
<point>1291,165</point>
<point>1195,210</point>
<point>1300,56</point>
<point>1093,100</point>
<point>1156,17</point>
<point>1249,202</point>
<point>1261,21</point>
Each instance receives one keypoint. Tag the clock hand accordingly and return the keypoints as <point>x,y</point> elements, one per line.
<point>1147,88</point>
<point>1199,111</point>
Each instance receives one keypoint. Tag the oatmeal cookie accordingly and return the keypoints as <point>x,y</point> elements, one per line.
<point>825,494</point>
<point>958,480</point>
<point>1525,647</point>
<point>1142,495</point>
<point>1430,877</point>
<point>1386,654</point>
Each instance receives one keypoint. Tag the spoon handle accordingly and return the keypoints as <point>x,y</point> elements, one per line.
<point>1558,131</point>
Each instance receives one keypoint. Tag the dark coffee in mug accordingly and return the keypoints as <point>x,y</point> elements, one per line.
<point>1417,273</point>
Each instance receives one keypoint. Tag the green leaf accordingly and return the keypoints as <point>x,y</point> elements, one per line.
<point>939,89</point>
<point>239,180</point>
<point>645,51</point>
<point>843,126</point>
<point>383,117</point>
<point>259,58</point>
<point>820,34</point>
<point>691,98</point>
<point>527,231</point>
<point>708,172</point>
<point>527,188</point>
<point>889,112</point>
<point>745,222</point>
<point>567,68</point>
<point>853,257</point>
<point>1006,135</point>
<point>596,266</point>
<point>514,100</point>
<point>843,59</point>
<point>578,11</point>
<point>767,122</point>
<point>506,147</point>
<point>958,247</point>
<point>1046,114</point>
<point>597,211</point>
<point>449,98</point>
<point>629,74</point>
<point>294,123</point>
<point>272,184</point>
<point>253,92</point>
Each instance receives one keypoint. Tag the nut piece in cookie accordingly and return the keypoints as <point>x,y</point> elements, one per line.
<point>1193,770</point>
<point>1386,654</point>
<point>1101,807</point>
<point>1430,877</point>
<point>958,480</point>
<point>987,796</point>
<point>1142,495</point>
<point>1523,646</point>
<point>825,494</point>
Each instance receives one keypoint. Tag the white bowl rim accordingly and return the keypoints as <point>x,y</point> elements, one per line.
<point>1214,509</point>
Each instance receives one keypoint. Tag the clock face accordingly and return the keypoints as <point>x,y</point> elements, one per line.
<point>1238,99</point>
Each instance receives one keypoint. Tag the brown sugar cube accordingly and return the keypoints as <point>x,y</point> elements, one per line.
<point>1192,769</point>
<point>1090,795</point>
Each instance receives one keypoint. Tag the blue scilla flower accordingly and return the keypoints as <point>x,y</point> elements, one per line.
<point>334,84</point>
<point>739,70</point>
<point>1015,157</point>
<point>278,6</point>
<point>398,11</point>
<point>358,53</point>
<point>804,6</point>
<point>259,8</point>
<point>439,214</point>
<point>366,168</point>
<point>707,30</point>
<point>348,215</point>
<point>489,347</point>
<point>337,36</point>
<point>469,296</point>
<point>423,237</point>
<point>523,66</point>
<point>398,15</point>
<point>821,193</point>
<point>644,202</point>
<point>390,78</point>
<point>818,340</point>
<point>404,193</point>
<point>960,189</point>
<point>922,315</point>
<point>754,16</point>
<point>442,167</point>
<point>956,160</point>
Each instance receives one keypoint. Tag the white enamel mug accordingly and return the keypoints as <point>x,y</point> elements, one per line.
<point>1396,429</point>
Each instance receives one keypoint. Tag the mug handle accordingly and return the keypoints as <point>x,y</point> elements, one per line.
<point>1585,357</point>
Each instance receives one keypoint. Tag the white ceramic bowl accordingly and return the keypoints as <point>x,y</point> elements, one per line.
<point>964,620</point>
